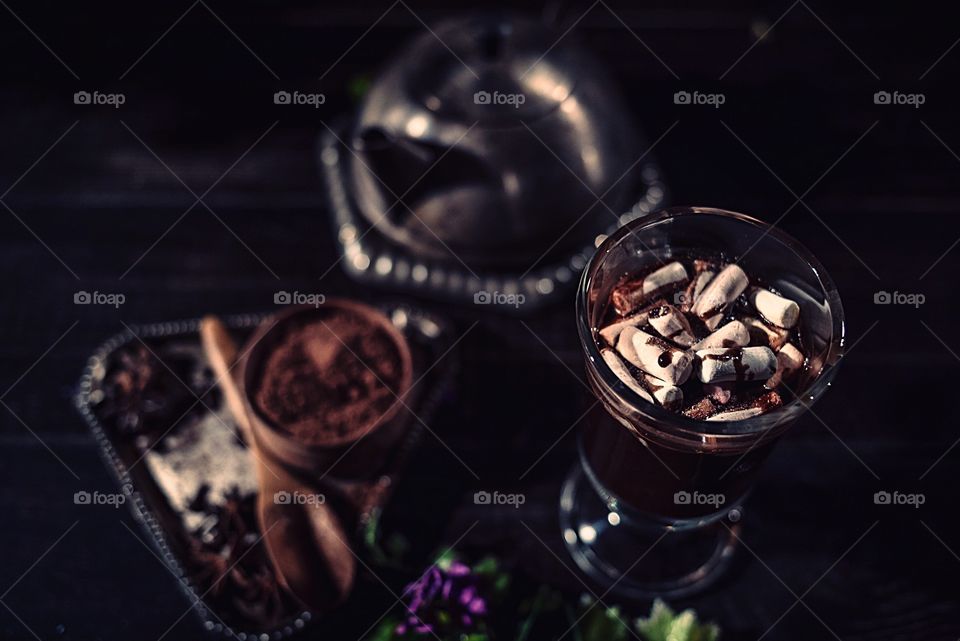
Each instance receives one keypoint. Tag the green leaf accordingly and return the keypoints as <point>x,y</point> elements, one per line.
<point>370,529</point>
<point>572,621</point>
<point>664,625</point>
<point>383,632</point>
<point>446,557</point>
<point>488,565</point>
<point>657,626</point>
<point>389,553</point>
<point>604,624</point>
<point>501,583</point>
<point>545,600</point>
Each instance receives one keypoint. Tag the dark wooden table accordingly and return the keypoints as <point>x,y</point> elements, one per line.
<point>94,201</point>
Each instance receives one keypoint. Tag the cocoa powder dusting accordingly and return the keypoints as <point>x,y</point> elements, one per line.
<point>326,380</point>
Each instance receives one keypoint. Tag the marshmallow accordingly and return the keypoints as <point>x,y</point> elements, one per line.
<point>716,296</point>
<point>703,273</point>
<point>632,294</point>
<point>703,279</point>
<point>733,334</point>
<point>648,387</point>
<point>755,407</point>
<point>778,310</point>
<point>617,367</point>
<point>670,396</point>
<point>705,318</point>
<point>789,360</point>
<point>611,332</point>
<point>671,324</point>
<point>736,364</point>
<point>761,332</point>
<point>655,356</point>
<point>625,348</point>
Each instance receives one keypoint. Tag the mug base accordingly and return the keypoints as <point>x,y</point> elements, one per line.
<point>635,559</point>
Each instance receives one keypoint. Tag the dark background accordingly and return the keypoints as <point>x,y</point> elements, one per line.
<point>881,215</point>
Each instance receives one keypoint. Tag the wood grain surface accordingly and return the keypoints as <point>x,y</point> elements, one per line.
<point>199,195</point>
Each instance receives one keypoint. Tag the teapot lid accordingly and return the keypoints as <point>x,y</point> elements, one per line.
<point>493,70</point>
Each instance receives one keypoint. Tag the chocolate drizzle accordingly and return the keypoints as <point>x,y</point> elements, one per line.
<point>713,311</point>
<point>734,354</point>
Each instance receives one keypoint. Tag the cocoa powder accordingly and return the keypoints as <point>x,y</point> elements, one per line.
<point>329,376</point>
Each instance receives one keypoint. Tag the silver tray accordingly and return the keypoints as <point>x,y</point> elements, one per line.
<point>429,337</point>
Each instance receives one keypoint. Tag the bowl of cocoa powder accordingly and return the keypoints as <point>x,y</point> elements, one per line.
<point>325,386</point>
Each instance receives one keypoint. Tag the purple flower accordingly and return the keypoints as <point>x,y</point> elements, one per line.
<point>443,600</point>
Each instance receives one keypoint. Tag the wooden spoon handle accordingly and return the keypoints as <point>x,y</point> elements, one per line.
<point>221,352</point>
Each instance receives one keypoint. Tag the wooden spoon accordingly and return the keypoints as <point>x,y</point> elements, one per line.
<point>305,538</point>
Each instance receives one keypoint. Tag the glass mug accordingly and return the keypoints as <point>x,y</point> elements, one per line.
<point>652,508</point>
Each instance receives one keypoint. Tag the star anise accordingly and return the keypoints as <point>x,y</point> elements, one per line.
<point>232,561</point>
<point>141,397</point>
<point>209,568</point>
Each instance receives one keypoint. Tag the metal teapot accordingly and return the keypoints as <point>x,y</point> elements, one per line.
<point>498,135</point>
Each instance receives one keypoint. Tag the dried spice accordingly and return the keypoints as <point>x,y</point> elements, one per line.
<point>142,398</point>
<point>229,563</point>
